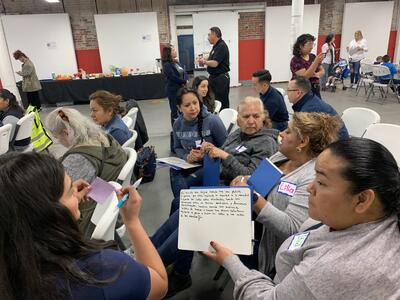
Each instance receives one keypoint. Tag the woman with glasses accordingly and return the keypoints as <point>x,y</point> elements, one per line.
<point>304,63</point>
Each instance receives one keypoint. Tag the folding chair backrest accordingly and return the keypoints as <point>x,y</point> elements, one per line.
<point>387,135</point>
<point>130,143</point>
<point>124,177</point>
<point>365,68</point>
<point>105,226</point>
<point>5,133</point>
<point>289,107</point>
<point>24,127</point>
<point>128,121</point>
<point>228,117</point>
<point>132,113</point>
<point>218,106</point>
<point>379,70</point>
<point>357,119</point>
<point>282,91</point>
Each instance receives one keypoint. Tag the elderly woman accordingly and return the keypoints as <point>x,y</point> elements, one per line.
<point>304,63</point>
<point>280,213</point>
<point>42,246</point>
<point>30,82</point>
<point>104,110</point>
<point>355,254</point>
<point>91,153</point>
<point>10,113</point>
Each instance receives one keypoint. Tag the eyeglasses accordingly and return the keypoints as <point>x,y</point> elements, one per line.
<point>292,90</point>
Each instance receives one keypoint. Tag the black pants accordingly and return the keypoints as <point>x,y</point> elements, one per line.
<point>316,89</point>
<point>220,86</point>
<point>33,99</point>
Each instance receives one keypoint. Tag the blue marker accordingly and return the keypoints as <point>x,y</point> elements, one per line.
<point>122,201</point>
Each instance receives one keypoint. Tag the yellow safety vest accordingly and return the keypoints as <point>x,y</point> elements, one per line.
<point>39,138</point>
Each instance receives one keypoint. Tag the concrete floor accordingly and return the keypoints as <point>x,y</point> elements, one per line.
<point>157,194</point>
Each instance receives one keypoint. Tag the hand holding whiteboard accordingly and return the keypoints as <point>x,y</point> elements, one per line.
<point>219,214</point>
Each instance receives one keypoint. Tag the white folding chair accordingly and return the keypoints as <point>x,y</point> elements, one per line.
<point>5,133</point>
<point>130,143</point>
<point>125,175</point>
<point>387,135</point>
<point>218,105</point>
<point>380,71</point>
<point>289,107</point>
<point>23,130</point>
<point>128,121</point>
<point>282,91</point>
<point>132,113</point>
<point>357,119</point>
<point>228,117</point>
<point>106,217</point>
<point>366,79</point>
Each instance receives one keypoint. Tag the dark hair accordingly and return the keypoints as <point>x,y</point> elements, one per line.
<point>107,100</point>
<point>329,38</point>
<point>18,54</point>
<point>166,55</point>
<point>369,165</point>
<point>12,100</point>
<point>217,31</point>
<point>263,76</point>
<point>184,91</point>
<point>386,58</point>
<point>302,83</point>
<point>209,99</point>
<point>300,42</point>
<point>40,241</point>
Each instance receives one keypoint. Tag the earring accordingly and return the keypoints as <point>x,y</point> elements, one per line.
<point>298,149</point>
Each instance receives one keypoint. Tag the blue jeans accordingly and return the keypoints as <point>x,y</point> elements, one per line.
<point>165,240</point>
<point>354,71</point>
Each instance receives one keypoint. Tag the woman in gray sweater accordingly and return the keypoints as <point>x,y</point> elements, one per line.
<point>355,254</point>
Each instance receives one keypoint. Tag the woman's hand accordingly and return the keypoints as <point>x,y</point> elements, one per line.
<point>206,146</point>
<point>131,208</point>
<point>221,253</point>
<point>240,181</point>
<point>195,155</point>
<point>81,189</point>
<point>319,58</point>
<point>216,152</point>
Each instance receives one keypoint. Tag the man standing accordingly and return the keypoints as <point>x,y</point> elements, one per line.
<point>218,66</point>
<point>304,100</point>
<point>272,99</point>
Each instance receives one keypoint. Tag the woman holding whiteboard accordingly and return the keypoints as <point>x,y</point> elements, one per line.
<point>46,250</point>
<point>355,253</point>
<point>30,82</point>
<point>356,49</point>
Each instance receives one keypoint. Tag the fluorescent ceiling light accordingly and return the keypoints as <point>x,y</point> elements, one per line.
<point>53,1</point>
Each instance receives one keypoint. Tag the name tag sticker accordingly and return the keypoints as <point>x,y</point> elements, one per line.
<point>240,149</point>
<point>298,240</point>
<point>287,188</point>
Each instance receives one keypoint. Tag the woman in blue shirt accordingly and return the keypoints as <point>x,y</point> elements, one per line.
<point>45,256</point>
<point>104,110</point>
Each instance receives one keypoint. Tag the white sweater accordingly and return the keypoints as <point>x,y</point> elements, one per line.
<point>357,49</point>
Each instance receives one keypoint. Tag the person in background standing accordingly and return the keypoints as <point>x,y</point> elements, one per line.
<point>356,50</point>
<point>327,63</point>
<point>218,66</point>
<point>306,64</point>
<point>30,82</point>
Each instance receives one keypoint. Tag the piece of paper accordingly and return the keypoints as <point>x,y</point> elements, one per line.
<point>219,214</point>
<point>100,190</point>
<point>177,162</point>
<point>264,177</point>
<point>211,169</point>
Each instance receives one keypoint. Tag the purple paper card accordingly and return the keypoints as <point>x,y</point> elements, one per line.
<point>100,190</point>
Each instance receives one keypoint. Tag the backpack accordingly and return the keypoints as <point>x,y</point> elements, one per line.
<point>145,166</point>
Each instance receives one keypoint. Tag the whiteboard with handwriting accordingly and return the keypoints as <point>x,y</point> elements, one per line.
<point>219,214</point>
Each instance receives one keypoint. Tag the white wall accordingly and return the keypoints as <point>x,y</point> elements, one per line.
<point>46,39</point>
<point>374,20</point>
<point>278,52</point>
<point>228,23</point>
<point>128,40</point>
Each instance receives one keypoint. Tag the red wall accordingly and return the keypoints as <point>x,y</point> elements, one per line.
<point>321,41</point>
<point>392,45</point>
<point>251,57</point>
<point>89,60</point>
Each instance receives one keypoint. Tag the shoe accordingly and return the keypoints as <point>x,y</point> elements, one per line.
<point>327,84</point>
<point>177,283</point>
<point>332,84</point>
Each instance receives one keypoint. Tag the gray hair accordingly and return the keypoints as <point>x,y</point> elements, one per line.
<point>250,100</point>
<point>81,130</point>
